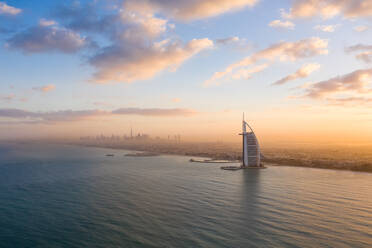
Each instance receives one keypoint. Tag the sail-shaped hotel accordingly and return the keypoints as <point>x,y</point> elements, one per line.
<point>251,153</point>
<point>251,157</point>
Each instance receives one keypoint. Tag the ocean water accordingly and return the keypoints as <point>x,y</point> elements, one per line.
<point>70,196</point>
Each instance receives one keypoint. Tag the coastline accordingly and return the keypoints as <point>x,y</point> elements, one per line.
<point>233,155</point>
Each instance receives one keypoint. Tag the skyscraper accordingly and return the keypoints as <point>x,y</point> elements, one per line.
<point>251,148</point>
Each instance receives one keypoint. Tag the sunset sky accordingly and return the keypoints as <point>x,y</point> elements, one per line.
<point>301,70</point>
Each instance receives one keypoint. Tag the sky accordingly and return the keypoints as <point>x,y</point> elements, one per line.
<point>300,70</point>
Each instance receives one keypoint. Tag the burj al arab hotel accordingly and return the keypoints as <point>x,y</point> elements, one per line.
<point>251,157</point>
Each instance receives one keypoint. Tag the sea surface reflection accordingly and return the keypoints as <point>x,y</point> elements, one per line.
<point>69,196</point>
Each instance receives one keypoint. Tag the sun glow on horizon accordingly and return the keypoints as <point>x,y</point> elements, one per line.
<point>301,69</point>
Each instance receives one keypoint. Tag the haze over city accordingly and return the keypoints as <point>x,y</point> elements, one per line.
<point>300,70</point>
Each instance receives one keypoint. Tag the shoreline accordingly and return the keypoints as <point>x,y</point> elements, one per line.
<point>278,161</point>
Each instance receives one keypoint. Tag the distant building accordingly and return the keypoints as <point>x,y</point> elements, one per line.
<point>251,148</point>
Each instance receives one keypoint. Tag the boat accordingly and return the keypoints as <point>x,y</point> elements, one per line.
<point>110,155</point>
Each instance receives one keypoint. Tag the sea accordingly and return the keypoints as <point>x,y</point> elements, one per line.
<point>54,195</point>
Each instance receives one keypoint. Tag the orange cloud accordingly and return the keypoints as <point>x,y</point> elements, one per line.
<point>76,115</point>
<point>326,28</point>
<point>365,55</point>
<point>131,63</point>
<point>154,112</point>
<point>142,25</point>
<point>361,28</point>
<point>303,72</point>
<point>247,73</point>
<point>137,50</point>
<point>282,24</point>
<point>45,22</point>
<point>349,101</point>
<point>356,83</point>
<point>282,51</point>
<point>176,100</point>
<point>45,88</point>
<point>189,10</point>
<point>8,10</point>
<point>330,8</point>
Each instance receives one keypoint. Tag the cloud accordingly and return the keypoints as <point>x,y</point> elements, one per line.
<point>349,101</point>
<point>131,62</point>
<point>189,10</point>
<point>357,82</point>
<point>122,25</point>
<point>243,73</point>
<point>139,26</point>
<point>55,116</point>
<point>45,88</point>
<point>8,10</point>
<point>9,97</point>
<point>331,8</point>
<point>45,22</point>
<point>138,48</point>
<point>176,100</point>
<point>361,28</point>
<point>247,73</point>
<point>87,18</point>
<point>303,72</point>
<point>365,55</point>
<point>16,113</point>
<point>326,28</point>
<point>154,112</point>
<point>358,47</point>
<point>76,115</point>
<point>47,38</point>
<point>282,51</point>
<point>228,40</point>
<point>282,24</point>
<point>102,103</point>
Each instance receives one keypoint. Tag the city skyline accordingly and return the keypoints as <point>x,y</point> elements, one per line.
<point>301,70</point>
